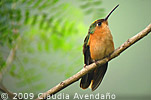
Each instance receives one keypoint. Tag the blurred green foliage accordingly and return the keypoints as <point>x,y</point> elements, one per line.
<point>9,16</point>
<point>49,31</point>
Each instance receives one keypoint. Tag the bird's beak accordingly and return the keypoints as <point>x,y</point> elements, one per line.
<point>110,13</point>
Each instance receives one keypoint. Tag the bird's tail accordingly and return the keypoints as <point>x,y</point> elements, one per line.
<point>86,80</point>
<point>94,78</point>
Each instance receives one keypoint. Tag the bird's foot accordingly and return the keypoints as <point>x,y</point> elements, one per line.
<point>84,65</point>
<point>96,62</point>
<point>108,56</point>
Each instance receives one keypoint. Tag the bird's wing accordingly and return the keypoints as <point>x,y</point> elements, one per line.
<point>86,51</point>
<point>86,79</point>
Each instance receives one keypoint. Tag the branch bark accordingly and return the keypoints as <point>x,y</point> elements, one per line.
<point>92,66</point>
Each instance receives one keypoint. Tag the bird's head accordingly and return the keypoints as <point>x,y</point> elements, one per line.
<point>100,24</point>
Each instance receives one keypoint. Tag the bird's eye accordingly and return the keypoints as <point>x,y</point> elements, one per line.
<point>99,24</point>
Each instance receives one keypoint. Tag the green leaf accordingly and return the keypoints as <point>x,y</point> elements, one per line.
<point>90,10</point>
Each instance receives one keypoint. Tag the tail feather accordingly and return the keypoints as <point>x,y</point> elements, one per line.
<point>94,78</point>
<point>98,76</point>
<point>86,80</point>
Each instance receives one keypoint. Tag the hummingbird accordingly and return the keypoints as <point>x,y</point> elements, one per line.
<point>98,44</point>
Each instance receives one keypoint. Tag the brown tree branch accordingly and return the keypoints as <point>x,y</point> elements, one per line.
<point>90,67</point>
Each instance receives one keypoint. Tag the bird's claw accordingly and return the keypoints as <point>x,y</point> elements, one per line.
<point>96,62</point>
<point>84,65</point>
